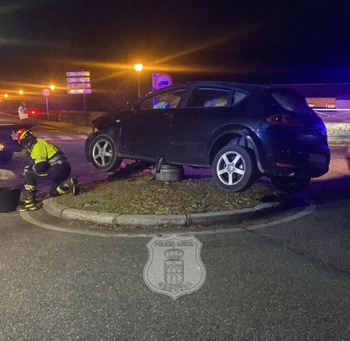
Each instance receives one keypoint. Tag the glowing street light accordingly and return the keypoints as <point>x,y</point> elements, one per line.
<point>20,92</point>
<point>138,68</point>
<point>52,87</point>
<point>6,95</point>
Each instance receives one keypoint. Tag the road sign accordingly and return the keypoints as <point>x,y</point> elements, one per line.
<point>46,92</point>
<point>161,80</point>
<point>79,91</point>
<point>78,73</point>
<point>79,85</point>
<point>78,79</point>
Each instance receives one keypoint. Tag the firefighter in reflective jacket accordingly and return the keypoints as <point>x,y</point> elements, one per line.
<point>22,113</point>
<point>49,164</point>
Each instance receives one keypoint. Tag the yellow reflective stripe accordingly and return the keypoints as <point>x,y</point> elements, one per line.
<point>21,135</point>
<point>60,191</point>
<point>29,188</point>
<point>41,174</point>
<point>40,159</point>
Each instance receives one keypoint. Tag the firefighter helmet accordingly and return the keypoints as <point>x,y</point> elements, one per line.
<point>25,138</point>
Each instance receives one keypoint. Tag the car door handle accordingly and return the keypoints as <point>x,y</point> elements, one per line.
<point>168,115</point>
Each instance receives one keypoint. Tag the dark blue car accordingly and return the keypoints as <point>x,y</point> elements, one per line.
<point>241,131</point>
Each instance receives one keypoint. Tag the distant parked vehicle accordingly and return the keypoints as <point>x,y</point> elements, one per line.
<point>241,131</point>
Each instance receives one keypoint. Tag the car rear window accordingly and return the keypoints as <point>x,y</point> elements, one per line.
<point>290,100</point>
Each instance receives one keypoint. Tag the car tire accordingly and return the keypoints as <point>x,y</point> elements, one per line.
<point>103,153</point>
<point>87,146</point>
<point>290,184</point>
<point>234,168</point>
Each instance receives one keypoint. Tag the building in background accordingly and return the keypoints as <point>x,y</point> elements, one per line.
<point>331,96</point>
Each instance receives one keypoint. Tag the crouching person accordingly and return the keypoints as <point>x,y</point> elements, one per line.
<point>50,163</point>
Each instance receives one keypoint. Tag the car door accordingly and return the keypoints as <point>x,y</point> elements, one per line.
<point>206,109</point>
<point>146,134</point>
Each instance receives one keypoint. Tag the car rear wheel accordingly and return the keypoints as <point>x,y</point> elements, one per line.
<point>290,184</point>
<point>234,168</point>
<point>103,153</point>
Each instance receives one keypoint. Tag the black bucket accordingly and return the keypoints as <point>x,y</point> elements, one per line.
<point>170,173</point>
<point>9,199</point>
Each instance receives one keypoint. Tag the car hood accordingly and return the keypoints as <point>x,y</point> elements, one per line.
<point>109,119</point>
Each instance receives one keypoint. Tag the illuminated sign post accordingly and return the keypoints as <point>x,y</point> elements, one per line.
<point>161,80</point>
<point>78,83</point>
<point>46,93</point>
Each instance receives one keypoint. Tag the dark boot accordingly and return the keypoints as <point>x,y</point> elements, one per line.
<point>29,202</point>
<point>68,185</point>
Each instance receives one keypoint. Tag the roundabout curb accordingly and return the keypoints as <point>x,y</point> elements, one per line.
<point>67,213</point>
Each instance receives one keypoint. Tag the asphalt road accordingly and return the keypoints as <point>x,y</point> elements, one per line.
<point>289,281</point>
<point>273,279</point>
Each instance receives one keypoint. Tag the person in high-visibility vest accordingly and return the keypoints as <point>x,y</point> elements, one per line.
<point>22,113</point>
<point>50,163</point>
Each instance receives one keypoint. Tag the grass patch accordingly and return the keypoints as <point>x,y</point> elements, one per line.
<point>143,195</point>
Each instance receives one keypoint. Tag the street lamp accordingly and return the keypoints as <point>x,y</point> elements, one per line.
<point>20,92</point>
<point>138,68</point>
<point>52,87</point>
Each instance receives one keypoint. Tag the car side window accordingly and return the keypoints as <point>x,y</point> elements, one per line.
<point>167,100</point>
<point>238,96</point>
<point>209,98</point>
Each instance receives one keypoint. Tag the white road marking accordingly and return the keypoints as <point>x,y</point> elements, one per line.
<point>62,137</point>
<point>47,138</point>
<point>65,137</point>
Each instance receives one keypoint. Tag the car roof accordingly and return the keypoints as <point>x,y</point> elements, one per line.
<point>247,87</point>
<point>243,86</point>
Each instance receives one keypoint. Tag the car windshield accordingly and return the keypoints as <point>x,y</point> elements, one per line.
<point>291,100</point>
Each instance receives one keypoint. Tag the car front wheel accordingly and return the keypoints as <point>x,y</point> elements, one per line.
<point>234,168</point>
<point>103,153</point>
<point>290,184</point>
<point>87,146</point>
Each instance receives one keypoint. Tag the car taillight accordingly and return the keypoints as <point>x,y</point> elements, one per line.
<point>284,119</point>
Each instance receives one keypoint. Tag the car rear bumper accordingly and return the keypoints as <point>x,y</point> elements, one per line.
<point>294,156</point>
<point>300,164</point>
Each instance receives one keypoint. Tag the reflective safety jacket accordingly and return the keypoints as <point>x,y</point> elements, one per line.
<point>45,155</point>
<point>21,112</point>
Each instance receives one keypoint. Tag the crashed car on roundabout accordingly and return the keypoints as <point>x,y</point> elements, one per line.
<point>240,131</point>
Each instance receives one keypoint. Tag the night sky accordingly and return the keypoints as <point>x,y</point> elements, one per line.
<point>281,41</point>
